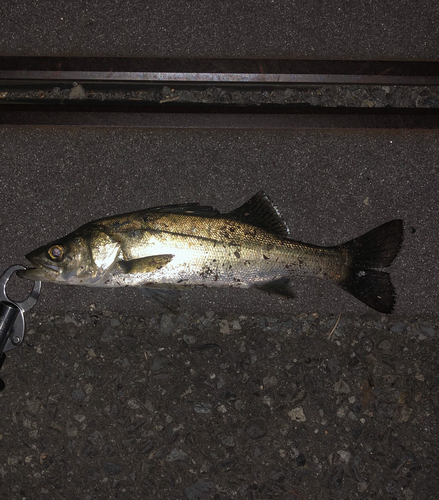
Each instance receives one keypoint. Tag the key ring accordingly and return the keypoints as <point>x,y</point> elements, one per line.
<point>12,325</point>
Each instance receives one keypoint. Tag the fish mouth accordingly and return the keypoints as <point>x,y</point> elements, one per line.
<point>43,271</point>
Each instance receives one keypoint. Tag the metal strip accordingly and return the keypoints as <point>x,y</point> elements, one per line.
<point>242,78</point>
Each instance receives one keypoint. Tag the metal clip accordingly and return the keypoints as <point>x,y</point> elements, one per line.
<point>12,325</point>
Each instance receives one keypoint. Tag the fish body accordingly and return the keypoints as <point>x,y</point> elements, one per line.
<point>188,245</point>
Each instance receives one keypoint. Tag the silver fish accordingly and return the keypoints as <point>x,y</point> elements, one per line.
<point>188,245</point>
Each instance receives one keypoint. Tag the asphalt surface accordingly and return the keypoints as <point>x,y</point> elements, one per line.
<point>330,186</point>
<point>240,395</point>
<point>100,405</point>
<point>292,29</point>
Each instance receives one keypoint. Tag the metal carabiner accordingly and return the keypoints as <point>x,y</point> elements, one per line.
<point>12,325</point>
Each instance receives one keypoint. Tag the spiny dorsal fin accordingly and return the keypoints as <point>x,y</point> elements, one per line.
<point>260,211</point>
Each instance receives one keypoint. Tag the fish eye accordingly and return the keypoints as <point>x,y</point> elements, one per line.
<point>56,252</point>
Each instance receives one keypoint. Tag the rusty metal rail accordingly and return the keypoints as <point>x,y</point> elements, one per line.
<point>221,92</point>
<point>256,71</point>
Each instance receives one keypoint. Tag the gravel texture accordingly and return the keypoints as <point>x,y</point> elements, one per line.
<point>101,405</point>
<point>331,96</point>
<point>383,30</point>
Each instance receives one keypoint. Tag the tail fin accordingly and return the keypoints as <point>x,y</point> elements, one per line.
<point>375,249</point>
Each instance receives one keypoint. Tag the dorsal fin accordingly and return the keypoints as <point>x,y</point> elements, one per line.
<point>260,211</point>
<point>184,208</point>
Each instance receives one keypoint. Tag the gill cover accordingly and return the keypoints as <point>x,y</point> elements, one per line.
<point>104,251</point>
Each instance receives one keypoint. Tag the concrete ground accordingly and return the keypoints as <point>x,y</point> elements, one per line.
<point>100,405</point>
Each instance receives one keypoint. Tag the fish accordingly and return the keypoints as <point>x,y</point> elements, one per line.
<point>161,250</point>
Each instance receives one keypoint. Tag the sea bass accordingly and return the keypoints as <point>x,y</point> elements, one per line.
<point>179,246</point>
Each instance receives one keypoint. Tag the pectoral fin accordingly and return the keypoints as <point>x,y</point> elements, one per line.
<point>145,264</point>
<point>280,287</point>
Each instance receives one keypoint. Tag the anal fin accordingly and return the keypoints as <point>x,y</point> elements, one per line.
<point>280,287</point>
<point>145,264</point>
<point>167,298</point>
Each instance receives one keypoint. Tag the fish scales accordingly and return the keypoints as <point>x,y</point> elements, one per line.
<point>180,246</point>
<point>214,252</point>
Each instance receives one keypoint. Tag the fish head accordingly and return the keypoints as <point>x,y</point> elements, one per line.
<point>81,258</point>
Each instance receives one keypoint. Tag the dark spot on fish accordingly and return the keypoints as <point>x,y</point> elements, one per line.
<point>237,254</point>
<point>265,257</point>
<point>300,261</point>
<point>287,266</point>
<point>119,224</point>
<point>214,260</point>
<point>181,281</point>
<point>206,272</point>
<point>215,278</point>
<point>413,230</point>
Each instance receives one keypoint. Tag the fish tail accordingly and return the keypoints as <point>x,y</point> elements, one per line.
<point>367,254</point>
